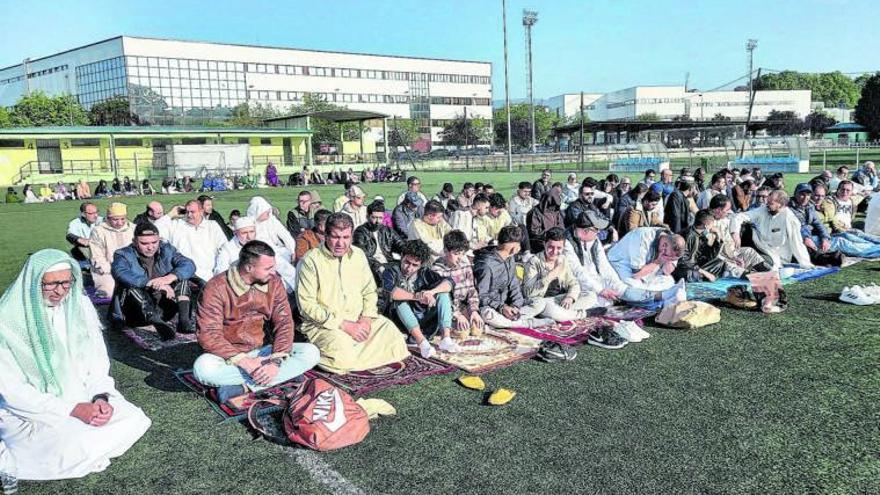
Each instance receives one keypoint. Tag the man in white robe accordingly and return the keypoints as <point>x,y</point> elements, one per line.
<point>269,229</point>
<point>246,231</point>
<point>61,415</point>
<point>197,238</point>
<point>776,231</point>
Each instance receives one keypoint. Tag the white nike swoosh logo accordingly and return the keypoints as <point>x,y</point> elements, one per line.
<point>338,413</point>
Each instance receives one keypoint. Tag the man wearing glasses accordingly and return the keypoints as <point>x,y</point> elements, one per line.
<point>414,185</point>
<point>541,185</point>
<point>61,415</point>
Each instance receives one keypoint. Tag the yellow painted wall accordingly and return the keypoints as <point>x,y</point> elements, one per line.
<point>12,159</point>
<point>354,147</point>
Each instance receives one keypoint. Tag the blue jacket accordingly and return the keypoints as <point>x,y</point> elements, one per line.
<point>128,272</point>
<point>810,223</point>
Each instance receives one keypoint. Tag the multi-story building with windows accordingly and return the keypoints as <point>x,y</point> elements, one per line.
<point>668,102</point>
<point>189,82</point>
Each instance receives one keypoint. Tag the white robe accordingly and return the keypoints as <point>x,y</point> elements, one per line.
<point>43,439</point>
<point>872,219</point>
<point>228,255</point>
<point>198,243</point>
<point>630,255</point>
<point>777,235</point>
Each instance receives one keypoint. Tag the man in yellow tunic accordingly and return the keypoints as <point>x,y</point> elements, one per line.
<point>431,228</point>
<point>337,298</point>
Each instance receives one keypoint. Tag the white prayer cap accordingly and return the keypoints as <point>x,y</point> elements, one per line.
<point>58,267</point>
<point>243,223</point>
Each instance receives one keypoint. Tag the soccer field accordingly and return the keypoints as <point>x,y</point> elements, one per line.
<point>788,403</point>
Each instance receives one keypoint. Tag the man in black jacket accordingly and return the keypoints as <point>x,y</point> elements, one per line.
<point>541,185</point>
<point>302,217</point>
<point>379,242</point>
<point>677,214</point>
<point>586,202</point>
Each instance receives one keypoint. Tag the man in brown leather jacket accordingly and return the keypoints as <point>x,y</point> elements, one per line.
<point>237,308</point>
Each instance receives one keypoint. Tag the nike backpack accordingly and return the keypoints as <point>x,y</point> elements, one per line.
<point>323,417</point>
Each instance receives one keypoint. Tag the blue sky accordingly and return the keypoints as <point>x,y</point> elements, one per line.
<point>590,45</point>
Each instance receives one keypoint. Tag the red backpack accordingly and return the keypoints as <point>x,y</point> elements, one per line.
<point>321,417</point>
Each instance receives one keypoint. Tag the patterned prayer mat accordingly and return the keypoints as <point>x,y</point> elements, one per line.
<point>493,350</point>
<point>569,332</point>
<point>147,338</point>
<point>410,370</point>
<point>236,410</point>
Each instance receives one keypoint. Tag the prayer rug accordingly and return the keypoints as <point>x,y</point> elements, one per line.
<point>852,260</point>
<point>805,274</point>
<point>628,313</point>
<point>569,332</point>
<point>492,350</point>
<point>147,338</point>
<point>91,291</point>
<point>236,410</point>
<point>410,370</point>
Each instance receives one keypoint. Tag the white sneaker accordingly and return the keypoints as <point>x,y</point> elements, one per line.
<point>855,295</point>
<point>625,332</point>
<point>449,345</point>
<point>872,291</point>
<point>425,349</point>
<point>634,328</point>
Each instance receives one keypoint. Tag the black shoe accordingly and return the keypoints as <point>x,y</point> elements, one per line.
<point>554,352</point>
<point>229,392</point>
<point>186,326</point>
<point>165,331</point>
<point>605,338</point>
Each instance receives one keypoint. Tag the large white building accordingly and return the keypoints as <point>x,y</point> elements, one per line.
<point>668,102</point>
<point>185,82</point>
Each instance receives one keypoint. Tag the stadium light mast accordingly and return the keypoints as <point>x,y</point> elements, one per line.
<point>751,44</point>
<point>529,19</point>
<point>507,87</point>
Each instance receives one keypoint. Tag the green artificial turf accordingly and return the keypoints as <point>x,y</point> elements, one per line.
<point>788,403</point>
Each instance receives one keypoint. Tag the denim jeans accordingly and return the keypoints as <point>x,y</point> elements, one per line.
<point>213,371</point>
<point>432,321</point>
<point>855,243</point>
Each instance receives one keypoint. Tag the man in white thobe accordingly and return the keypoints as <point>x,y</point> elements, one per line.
<point>245,231</point>
<point>197,238</point>
<point>61,415</point>
<point>776,231</point>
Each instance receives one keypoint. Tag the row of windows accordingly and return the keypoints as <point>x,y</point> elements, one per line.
<point>139,142</point>
<point>364,98</point>
<point>173,74</point>
<point>296,70</point>
<point>186,83</point>
<point>446,122</point>
<point>32,75</point>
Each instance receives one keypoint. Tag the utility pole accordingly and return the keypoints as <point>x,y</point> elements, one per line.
<point>507,87</point>
<point>581,147</point>
<point>467,158</point>
<point>27,81</point>
<point>750,47</point>
<point>529,19</point>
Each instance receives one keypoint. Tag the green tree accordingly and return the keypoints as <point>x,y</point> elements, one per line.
<point>5,118</point>
<point>461,133</point>
<point>402,132</point>
<point>39,109</point>
<point>868,109</point>
<point>324,130</point>
<point>521,135</point>
<point>784,123</point>
<point>251,114</point>
<point>818,121</point>
<point>648,117</point>
<point>115,111</point>
<point>832,88</point>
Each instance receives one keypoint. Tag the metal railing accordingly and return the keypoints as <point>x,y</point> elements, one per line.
<point>278,160</point>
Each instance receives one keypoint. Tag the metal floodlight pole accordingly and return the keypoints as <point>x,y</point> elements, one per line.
<point>751,44</point>
<point>530,18</point>
<point>507,88</point>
